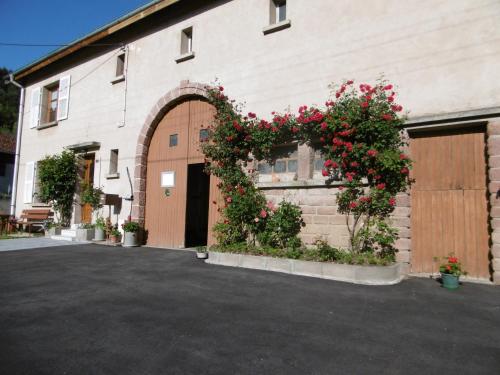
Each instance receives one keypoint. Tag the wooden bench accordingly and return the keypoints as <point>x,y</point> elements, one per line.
<point>34,217</point>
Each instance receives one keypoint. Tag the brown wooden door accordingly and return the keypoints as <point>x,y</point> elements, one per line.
<point>166,215</point>
<point>88,179</point>
<point>449,201</point>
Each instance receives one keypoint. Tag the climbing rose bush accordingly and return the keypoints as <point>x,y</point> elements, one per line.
<point>360,141</point>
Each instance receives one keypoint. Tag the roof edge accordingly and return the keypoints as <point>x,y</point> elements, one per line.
<point>96,35</point>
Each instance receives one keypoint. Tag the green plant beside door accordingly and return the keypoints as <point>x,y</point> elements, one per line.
<point>131,230</point>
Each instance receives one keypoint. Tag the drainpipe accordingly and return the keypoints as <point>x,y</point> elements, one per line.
<point>18,144</point>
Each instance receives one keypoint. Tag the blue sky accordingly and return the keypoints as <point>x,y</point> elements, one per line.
<point>52,22</point>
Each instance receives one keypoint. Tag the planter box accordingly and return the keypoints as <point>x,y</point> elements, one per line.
<point>84,234</point>
<point>367,275</point>
<point>54,231</point>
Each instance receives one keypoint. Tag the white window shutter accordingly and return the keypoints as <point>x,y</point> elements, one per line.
<point>63,98</point>
<point>35,107</point>
<point>29,180</point>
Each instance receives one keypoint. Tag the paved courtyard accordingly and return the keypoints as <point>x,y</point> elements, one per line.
<point>91,309</point>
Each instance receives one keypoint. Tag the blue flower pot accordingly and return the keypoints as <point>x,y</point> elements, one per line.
<point>449,281</point>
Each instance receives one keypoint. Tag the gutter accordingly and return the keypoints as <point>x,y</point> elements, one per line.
<point>18,144</point>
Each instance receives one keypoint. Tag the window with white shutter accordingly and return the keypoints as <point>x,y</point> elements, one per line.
<point>63,98</point>
<point>29,180</point>
<point>35,107</point>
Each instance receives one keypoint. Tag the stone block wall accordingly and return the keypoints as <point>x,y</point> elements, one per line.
<point>493,152</point>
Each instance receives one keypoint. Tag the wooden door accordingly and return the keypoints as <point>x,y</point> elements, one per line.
<point>88,179</point>
<point>449,201</point>
<point>166,215</point>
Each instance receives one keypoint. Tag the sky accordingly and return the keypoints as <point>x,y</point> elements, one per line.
<point>52,22</point>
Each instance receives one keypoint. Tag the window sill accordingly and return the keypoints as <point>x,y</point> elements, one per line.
<point>112,176</point>
<point>184,57</point>
<point>277,27</point>
<point>118,79</point>
<point>301,184</point>
<point>46,125</point>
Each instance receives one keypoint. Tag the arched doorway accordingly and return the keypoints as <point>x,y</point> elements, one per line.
<point>179,211</point>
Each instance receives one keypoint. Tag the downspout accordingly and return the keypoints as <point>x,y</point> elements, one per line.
<point>18,145</point>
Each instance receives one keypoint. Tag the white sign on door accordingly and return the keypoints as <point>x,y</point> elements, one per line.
<point>167,179</point>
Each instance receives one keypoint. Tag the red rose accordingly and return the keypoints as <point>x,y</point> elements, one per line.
<point>229,199</point>
<point>390,99</point>
<point>452,260</point>
<point>353,205</point>
<point>381,186</point>
<point>372,153</point>
<point>335,165</point>
<point>364,105</point>
<point>392,202</point>
<point>402,157</point>
<point>388,87</point>
<point>337,95</point>
<point>323,126</point>
<point>350,82</point>
<point>328,163</point>
<point>354,164</point>
<point>387,116</point>
<point>229,138</point>
<point>371,171</point>
<point>263,213</point>
<point>324,172</point>
<point>221,88</point>
<point>405,170</point>
<point>321,139</point>
<point>251,115</point>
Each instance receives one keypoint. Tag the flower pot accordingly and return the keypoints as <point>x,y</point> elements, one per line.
<point>115,239</point>
<point>449,281</point>
<point>130,239</point>
<point>201,255</point>
<point>99,234</point>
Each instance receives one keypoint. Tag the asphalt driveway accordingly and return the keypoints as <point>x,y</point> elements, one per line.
<point>92,309</point>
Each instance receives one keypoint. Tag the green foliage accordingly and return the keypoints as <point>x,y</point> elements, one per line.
<point>282,227</point>
<point>100,223</point>
<point>57,176</point>
<point>322,252</point>
<point>9,103</point>
<point>452,266</point>
<point>86,226</point>
<point>360,141</point>
<point>91,195</point>
<point>131,226</point>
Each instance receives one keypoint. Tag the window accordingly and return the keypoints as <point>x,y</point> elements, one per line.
<point>278,11</point>
<point>284,161</point>
<point>277,17</point>
<point>187,41</point>
<point>319,163</point>
<point>113,162</point>
<point>203,135</point>
<point>49,103</point>
<point>120,65</point>
<point>173,140</point>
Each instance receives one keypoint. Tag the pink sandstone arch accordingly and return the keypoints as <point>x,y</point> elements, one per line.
<point>185,90</point>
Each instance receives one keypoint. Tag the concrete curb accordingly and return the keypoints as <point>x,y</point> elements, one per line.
<point>365,275</point>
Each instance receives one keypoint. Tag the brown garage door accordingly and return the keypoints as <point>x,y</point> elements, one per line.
<point>449,200</point>
<point>175,144</point>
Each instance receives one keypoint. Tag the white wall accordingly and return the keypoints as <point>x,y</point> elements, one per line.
<point>441,54</point>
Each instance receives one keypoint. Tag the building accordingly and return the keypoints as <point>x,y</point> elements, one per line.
<point>134,101</point>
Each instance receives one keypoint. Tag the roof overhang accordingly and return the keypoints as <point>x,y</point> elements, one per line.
<point>92,38</point>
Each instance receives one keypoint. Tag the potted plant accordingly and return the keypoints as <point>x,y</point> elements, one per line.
<point>100,229</point>
<point>450,272</point>
<point>85,232</point>
<point>50,228</point>
<point>130,228</point>
<point>115,235</point>
<point>201,252</point>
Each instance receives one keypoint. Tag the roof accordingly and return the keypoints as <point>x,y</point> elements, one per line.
<point>90,39</point>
